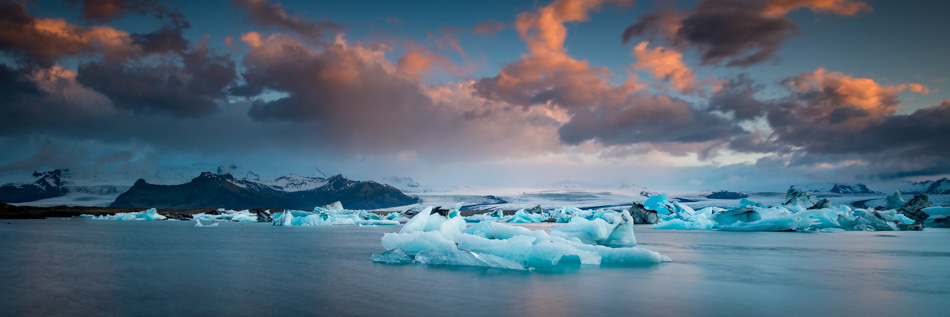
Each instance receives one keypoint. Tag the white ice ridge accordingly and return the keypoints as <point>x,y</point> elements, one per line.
<point>332,214</point>
<point>431,238</point>
<point>801,212</point>
<point>150,214</point>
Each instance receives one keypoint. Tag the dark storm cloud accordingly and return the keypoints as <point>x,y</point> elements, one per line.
<point>165,39</point>
<point>737,96</point>
<point>188,89</point>
<point>733,32</point>
<point>273,15</point>
<point>102,11</point>
<point>643,118</point>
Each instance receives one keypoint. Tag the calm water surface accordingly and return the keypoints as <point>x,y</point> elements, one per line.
<point>83,267</point>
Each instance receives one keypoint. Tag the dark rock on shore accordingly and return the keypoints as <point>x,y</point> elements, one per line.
<point>643,216</point>
<point>913,208</point>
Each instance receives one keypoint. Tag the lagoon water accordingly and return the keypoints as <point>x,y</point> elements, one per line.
<point>82,267</point>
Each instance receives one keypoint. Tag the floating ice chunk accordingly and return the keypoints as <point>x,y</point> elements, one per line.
<point>585,231</point>
<point>198,224</point>
<point>680,224</point>
<point>658,203</point>
<point>228,215</point>
<point>465,258</point>
<point>937,212</point>
<point>522,216</point>
<point>609,228</point>
<point>450,228</point>
<point>417,241</point>
<point>418,222</point>
<point>150,214</point>
<point>894,201</point>
<point>745,202</point>
<point>514,249</point>
<point>394,256</point>
<point>549,253</point>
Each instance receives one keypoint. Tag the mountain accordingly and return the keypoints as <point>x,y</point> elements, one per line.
<point>48,185</point>
<point>211,190</point>
<point>937,187</point>
<point>836,188</point>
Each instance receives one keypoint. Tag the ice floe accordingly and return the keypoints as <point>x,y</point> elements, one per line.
<point>606,238</point>
<point>332,214</point>
<point>801,212</point>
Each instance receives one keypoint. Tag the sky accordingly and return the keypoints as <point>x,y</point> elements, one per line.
<point>670,95</point>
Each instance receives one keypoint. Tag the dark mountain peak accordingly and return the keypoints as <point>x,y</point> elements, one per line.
<point>48,185</point>
<point>140,182</point>
<point>212,190</point>
<point>338,181</point>
<point>851,189</point>
<point>209,176</point>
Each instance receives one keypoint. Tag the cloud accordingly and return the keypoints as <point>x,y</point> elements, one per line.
<point>273,15</point>
<point>102,11</point>
<point>666,64</point>
<point>185,88</point>
<point>352,97</point>
<point>732,32</point>
<point>737,97</point>
<point>840,7</point>
<point>644,118</point>
<point>41,42</point>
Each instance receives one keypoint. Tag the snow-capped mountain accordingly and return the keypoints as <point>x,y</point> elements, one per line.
<point>940,186</point>
<point>212,190</point>
<point>47,185</point>
<point>836,188</point>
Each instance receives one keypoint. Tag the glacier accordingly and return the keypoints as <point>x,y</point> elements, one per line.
<point>149,214</point>
<point>607,238</point>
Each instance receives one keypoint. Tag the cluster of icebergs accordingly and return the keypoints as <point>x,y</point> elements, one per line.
<point>436,239</point>
<point>800,212</point>
<point>332,214</point>
<point>150,214</point>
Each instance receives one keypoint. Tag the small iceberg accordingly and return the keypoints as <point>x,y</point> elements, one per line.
<point>200,225</point>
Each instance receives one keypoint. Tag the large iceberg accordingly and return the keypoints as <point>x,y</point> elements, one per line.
<point>332,214</point>
<point>150,214</point>
<point>607,238</point>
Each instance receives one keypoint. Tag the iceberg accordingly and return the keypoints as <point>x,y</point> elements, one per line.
<point>228,215</point>
<point>522,216</point>
<point>200,225</point>
<point>329,215</point>
<point>604,237</point>
<point>804,212</point>
<point>150,214</point>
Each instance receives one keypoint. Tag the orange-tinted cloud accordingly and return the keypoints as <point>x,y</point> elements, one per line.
<point>666,64</point>
<point>44,41</point>
<point>847,101</point>
<point>273,15</point>
<point>841,7</point>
